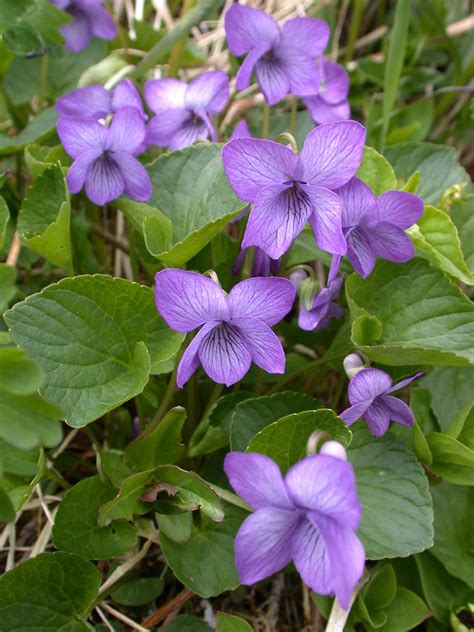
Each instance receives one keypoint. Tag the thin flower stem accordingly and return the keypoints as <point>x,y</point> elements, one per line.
<point>178,49</point>
<point>338,616</point>
<point>167,397</point>
<point>215,394</point>
<point>293,114</point>
<point>43,77</point>
<point>294,374</point>
<point>229,497</point>
<point>266,121</point>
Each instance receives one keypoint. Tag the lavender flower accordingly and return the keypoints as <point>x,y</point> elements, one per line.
<point>95,102</point>
<point>234,329</point>
<point>287,190</point>
<point>262,264</point>
<point>331,103</point>
<point>374,226</point>
<point>89,19</point>
<point>370,397</point>
<point>184,111</point>
<point>283,59</point>
<point>323,306</point>
<point>104,157</point>
<point>241,130</point>
<point>309,517</point>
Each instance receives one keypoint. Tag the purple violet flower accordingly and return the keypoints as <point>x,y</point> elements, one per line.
<point>374,227</point>
<point>287,190</point>
<point>241,130</point>
<point>283,59</point>
<point>323,306</point>
<point>104,157</point>
<point>262,264</point>
<point>95,102</point>
<point>370,397</point>
<point>331,103</point>
<point>309,517</point>
<point>89,18</point>
<point>234,328</point>
<point>184,111</point>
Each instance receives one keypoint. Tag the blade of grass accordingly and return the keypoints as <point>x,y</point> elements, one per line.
<point>195,16</point>
<point>394,63</point>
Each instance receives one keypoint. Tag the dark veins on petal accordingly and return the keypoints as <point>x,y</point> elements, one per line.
<point>223,342</point>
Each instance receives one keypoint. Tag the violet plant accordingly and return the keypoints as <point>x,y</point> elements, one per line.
<point>236,338</point>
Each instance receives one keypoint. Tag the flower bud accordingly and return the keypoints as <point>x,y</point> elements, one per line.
<point>352,363</point>
<point>335,449</point>
<point>297,277</point>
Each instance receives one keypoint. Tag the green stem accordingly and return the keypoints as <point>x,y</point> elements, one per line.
<point>215,394</point>
<point>338,391</point>
<point>229,497</point>
<point>178,49</point>
<point>167,397</point>
<point>43,77</point>
<point>356,20</point>
<point>294,374</point>
<point>182,28</point>
<point>266,121</point>
<point>293,113</point>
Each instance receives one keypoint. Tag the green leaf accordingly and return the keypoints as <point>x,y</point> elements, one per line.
<point>109,326</point>
<point>4,218</point>
<point>138,591</point>
<point>111,464</point>
<point>28,421</point>
<point>188,623</point>
<point>381,590</point>
<point>40,126</point>
<point>192,492</point>
<point>160,446</point>
<point>191,189</point>
<point>405,612</point>
<point>213,431</point>
<point>44,218</point>
<point>463,218</point>
<point>128,501</point>
<point>155,228</point>
<point>23,79</point>
<point>393,490</point>
<point>230,623</point>
<point>285,440</point>
<point>205,563</point>
<point>30,26</point>
<point>253,415</point>
<point>20,375</point>
<point>412,122</point>
<point>451,395</point>
<point>51,592</point>
<point>75,527</point>
<point>7,285</point>
<point>394,62</point>
<point>438,166</point>
<point>16,461</point>
<point>176,527</point>
<point>453,520</point>
<point>7,511</point>
<point>452,460</point>
<point>420,316</point>
<point>443,592</point>
<point>376,171</point>
<point>437,236</point>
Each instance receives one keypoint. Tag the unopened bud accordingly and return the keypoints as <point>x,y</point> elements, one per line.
<point>297,277</point>
<point>335,449</point>
<point>352,363</point>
